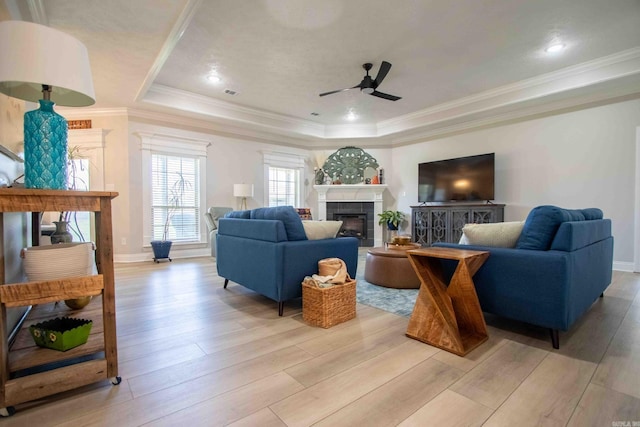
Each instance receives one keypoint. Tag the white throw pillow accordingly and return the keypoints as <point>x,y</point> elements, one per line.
<point>317,230</point>
<point>499,234</point>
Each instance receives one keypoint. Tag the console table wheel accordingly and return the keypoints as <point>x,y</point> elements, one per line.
<point>116,380</point>
<point>7,412</point>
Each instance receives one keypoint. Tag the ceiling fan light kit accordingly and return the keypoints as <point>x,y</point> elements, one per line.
<point>369,85</point>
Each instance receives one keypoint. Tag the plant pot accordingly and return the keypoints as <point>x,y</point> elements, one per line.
<point>390,226</point>
<point>161,249</point>
<point>61,235</point>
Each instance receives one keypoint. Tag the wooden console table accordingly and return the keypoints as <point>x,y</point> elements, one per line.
<point>447,317</point>
<point>74,373</point>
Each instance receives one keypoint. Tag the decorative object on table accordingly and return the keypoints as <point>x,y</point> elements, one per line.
<point>61,333</point>
<point>329,297</point>
<point>381,176</point>
<point>348,165</point>
<point>391,218</point>
<point>37,62</point>
<point>59,261</point>
<point>162,248</point>
<point>61,233</point>
<point>375,180</point>
<point>401,240</point>
<point>319,176</point>
<point>243,191</point>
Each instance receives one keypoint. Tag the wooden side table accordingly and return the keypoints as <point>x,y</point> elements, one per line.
<point>447,317</point>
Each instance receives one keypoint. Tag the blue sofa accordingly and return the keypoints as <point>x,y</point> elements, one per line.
<point>561,264</point>
<point>267,251</point>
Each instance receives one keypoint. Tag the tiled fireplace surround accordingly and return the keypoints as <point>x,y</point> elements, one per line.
<point>354,198</point>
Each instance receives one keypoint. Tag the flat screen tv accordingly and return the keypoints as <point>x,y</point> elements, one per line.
<point>463,179</point>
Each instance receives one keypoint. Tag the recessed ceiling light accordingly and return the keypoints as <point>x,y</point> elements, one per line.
<point>555,47</point>
<point>351,115</point>
<point>214,78</point>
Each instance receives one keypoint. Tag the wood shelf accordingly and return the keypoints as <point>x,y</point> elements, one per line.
<point>102,340</point>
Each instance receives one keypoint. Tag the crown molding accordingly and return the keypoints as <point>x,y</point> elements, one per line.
<point>609,68</point>
<point>188,101</point>
<point>180,26</point>
<point>608,79</point>
<point>537,96</point>
<point>89,112</point>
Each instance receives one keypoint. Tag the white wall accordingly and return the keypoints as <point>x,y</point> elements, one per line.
<point>573,160</point>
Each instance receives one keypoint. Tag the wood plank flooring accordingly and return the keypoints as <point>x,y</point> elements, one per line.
<point>193,353</point>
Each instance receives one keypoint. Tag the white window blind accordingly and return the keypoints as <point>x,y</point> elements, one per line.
<point>175,192</point>
<point>283,186</point>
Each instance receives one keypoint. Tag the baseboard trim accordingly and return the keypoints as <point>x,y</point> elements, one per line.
<point>623,266</point>
<point>175,254</point>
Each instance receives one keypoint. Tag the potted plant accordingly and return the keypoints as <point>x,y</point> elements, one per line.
<point>161,248</point>
<point>391,218</point>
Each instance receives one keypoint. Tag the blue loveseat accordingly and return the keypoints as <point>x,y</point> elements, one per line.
<point>266,250</point>
<point>561,264</point>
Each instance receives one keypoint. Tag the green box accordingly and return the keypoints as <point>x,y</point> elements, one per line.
<point>61,333</point>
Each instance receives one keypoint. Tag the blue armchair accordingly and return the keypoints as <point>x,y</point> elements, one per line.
<point>267,250</point>
<point>561,264</point>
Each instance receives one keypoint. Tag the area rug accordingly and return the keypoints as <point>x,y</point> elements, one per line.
<point>397,301</point>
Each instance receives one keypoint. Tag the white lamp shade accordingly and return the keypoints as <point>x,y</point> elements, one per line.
<point>243,190</point>
<point>32,55</point>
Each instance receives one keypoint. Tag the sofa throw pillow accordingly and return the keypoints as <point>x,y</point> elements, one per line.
<point>289,217</point>
<point>499,234</point>
<point>238,214</point>
<point>317,230</point>
<point>541,226</point>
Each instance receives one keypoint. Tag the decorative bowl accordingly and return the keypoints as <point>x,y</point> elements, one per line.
<point>61,333</point>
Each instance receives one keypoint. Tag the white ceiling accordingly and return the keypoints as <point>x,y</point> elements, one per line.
<point>456,65</point>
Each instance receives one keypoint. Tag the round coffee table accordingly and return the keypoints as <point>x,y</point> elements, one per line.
<point>390,267</point>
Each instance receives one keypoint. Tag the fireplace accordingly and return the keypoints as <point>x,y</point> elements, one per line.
<point>354,198</point>
<point>357,220</point>
<point>353,224</point>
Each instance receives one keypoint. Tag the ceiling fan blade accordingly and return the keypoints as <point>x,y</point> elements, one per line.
<point>382,73</point>
<point>339,90</point>
<point>385,96</point>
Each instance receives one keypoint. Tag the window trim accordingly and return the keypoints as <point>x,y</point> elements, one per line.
<point>171,145</point>
<point>286,161</point>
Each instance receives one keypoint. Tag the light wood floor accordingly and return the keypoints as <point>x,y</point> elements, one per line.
<point>194,354</point>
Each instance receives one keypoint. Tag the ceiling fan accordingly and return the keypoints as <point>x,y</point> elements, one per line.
<point>369,85</point>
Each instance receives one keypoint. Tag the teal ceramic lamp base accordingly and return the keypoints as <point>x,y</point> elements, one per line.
<point>45,148</point>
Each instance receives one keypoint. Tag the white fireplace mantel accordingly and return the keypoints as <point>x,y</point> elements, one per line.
<point>353,193</point>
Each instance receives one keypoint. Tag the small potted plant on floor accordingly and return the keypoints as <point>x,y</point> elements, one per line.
<point>161,248</point>
<point>391,218</point>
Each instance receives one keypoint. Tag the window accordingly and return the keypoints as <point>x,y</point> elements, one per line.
<point>78,179</point>
<point>283,173</point>
<point>175,198</point>
<point>283,185</point>
<point>173,187</point>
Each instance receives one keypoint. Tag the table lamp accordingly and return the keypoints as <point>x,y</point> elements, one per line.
<point>244,191</point>
<point>38,63</point>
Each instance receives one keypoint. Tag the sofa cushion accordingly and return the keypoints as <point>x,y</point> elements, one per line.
<point>541,226</point>
<point>316,230</point>
<point>499,234</point>
<point>592,213</point>
<point>289,217</point>
<point>238,214</point>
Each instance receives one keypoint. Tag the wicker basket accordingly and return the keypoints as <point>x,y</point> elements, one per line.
<point>326,307</point>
